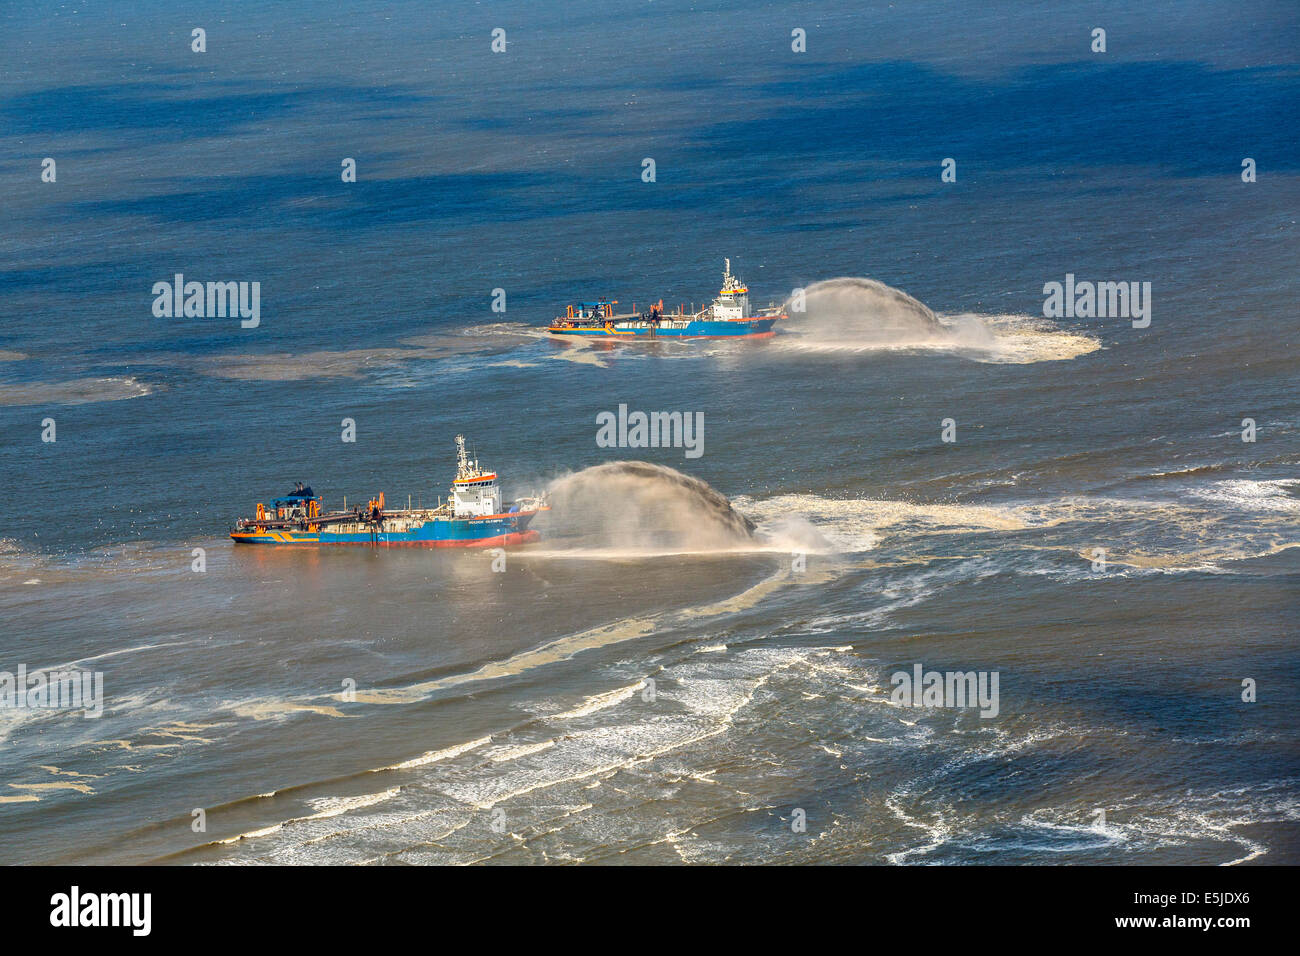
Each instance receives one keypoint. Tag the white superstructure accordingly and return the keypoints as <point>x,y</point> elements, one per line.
<point>474,493</point>
<point>732,303</point>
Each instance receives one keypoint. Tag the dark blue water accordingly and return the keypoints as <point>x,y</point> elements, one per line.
<point>519,696</point>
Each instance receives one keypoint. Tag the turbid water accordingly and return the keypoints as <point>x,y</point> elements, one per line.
<point>698,653</point>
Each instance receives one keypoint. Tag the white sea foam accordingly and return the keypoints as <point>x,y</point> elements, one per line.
<point>1277,496</point>
<point>859,524</point>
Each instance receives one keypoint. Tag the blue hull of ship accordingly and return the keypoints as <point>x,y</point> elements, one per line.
<point>697,329</point>
<point>494,530</point>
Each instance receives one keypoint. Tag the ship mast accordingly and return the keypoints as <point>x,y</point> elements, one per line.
<point>730,284</point>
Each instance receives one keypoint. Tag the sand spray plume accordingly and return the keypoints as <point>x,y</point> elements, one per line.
<point>636,505</point>
<point>853,314</point>
<point>859,311</point>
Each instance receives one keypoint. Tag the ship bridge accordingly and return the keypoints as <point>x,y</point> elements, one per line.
<point>475,492</point>
<point>732,302</point>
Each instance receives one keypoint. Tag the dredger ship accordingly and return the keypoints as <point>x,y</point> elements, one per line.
<point>728,317</point>
<point>471,517</point>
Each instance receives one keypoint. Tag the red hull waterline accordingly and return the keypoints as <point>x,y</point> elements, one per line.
<point>500,541</point>
<point>557,336</point>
